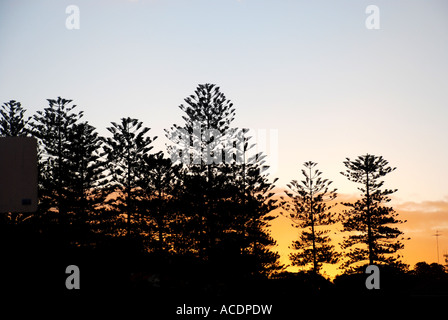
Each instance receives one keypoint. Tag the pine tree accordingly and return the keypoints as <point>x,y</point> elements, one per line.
<point>252,205</point>
<point>12,122</point>
<point>125,152</point>
<point>225,197</point>
<point>70,171</point>
<point>257,205</point>
<point>87,192</point>
<point>158,180</point>
<point>308,209</point>
<point>53,128</point>
<point>370,222</point>
<point>199,144</point>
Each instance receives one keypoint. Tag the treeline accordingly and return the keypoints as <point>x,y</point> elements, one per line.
<point>96,192</point>
<point>207,198</point>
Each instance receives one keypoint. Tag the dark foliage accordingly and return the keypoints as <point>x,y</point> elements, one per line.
<point>307,208</point>
<point>125,153</point>
<point>226,197</point>
<point>369,221</point>
<point>12,122</point>
<point>191,226</point>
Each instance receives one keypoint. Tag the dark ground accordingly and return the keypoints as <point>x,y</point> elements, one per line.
<point>33,269</point>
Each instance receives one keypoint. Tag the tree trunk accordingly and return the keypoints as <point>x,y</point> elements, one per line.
<point>312,226</point>
<point>369,226</point>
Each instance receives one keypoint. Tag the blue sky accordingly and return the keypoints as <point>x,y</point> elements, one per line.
<point>309,69</point>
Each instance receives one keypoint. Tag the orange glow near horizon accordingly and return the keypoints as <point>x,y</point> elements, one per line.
<point>422,221</point>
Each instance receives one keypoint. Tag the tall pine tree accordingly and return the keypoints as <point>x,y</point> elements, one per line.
<point>256,202</point>
<point>53,128</point>
<point>226,198</point>
<point>125,152</point>
<point>370,222</point>
<point>70,171</point>
<point>308,209</point>
<point>87,192</point>
<point>199,145</point>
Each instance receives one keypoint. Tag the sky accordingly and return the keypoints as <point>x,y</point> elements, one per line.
<point>310,72</point>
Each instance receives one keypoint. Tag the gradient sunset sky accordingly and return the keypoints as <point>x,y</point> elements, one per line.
<point>308,70</point>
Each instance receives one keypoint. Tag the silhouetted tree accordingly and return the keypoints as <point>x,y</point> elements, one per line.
<point>158,179</point>
<point>225,199</point>
<point>254,202</point>
<point>53,128</point>
<point>125,152</point>
<point>12,122</point>
<point>433,270</point>
<point>429,279</point>
<point>199,146</point>
<point>70,170</point>
<point>368,220</point>
<point>308,210</point>
<point>88,178</point>
<point>258,205</point>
